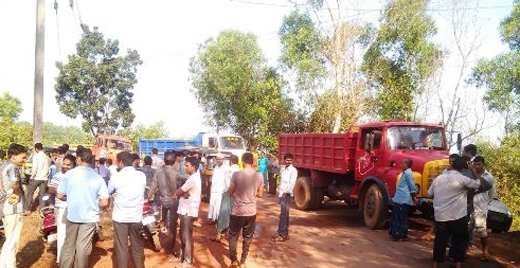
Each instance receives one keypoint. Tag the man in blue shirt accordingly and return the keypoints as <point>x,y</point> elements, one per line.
<point>404,199</point>
<point>263,162</point>
<point>88,193</point>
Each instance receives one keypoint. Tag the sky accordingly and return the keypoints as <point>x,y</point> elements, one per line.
<point>166,34</point>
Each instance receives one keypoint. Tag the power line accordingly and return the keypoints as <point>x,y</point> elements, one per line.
<point>366,9</point>
<point>58,28</point>
<point>75,9</point>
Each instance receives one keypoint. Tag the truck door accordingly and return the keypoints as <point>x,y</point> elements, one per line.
<point>368,152</point>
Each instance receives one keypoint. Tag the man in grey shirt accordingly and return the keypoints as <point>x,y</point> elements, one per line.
<point>245,186</point>
<point>166,181</point>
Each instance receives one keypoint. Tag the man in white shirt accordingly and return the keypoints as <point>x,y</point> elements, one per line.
<point>449,192</point>
<point>157,162</point>
<point>288,179</point>
<point>39,176</point>
<point>60,207</point>
<point>226,202</point>
<point>481,202</point>
<point>218,186</point>
<point>189,202</point>
<point>128,185</point>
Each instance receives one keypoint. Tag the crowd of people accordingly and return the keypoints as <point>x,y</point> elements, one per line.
<point>461,195</point>
<point>82,186</point>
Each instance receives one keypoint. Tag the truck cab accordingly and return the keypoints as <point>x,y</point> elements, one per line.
<point>225,144</point>
<point>109,146</point>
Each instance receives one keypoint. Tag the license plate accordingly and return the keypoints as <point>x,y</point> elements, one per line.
<point>148,219</point>
<point>52,237</point>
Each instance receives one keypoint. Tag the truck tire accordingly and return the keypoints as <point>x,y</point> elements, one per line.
<point>375,208</point>
<point>304,194</point>
<point>318,197</point>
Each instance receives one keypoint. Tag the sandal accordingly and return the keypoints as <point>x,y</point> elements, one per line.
<point>216,240</point>
<point>278,239</point>
<point>234,264</point>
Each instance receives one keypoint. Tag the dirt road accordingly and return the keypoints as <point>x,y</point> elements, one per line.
<point>331,237</point>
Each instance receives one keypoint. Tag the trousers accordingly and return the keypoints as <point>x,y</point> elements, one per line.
<point>122,231</point>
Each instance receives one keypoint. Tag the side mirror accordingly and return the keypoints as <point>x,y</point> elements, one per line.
<point>369,142</point>
<point>459,141</point>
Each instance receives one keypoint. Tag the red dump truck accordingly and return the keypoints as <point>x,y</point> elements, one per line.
<point>362,166</point>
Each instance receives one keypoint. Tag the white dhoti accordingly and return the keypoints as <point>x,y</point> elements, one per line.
<point>214,206</point>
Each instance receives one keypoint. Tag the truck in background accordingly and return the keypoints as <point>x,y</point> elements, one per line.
<point>362,166</point>
<point>106,146</point>
<point>203,141</point>
<point>209,144</point>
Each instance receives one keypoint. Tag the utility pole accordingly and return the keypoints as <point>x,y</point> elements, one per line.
<point>39,64</point>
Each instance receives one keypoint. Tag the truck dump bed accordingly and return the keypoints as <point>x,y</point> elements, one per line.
<point>321,151</point>
<point>146,145</point>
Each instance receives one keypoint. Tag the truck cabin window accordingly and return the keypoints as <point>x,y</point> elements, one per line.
<point>212,142</point>
<point>376,134</point>
<point>231,143</point>
<point>121,145</point>
<point>415,138</point>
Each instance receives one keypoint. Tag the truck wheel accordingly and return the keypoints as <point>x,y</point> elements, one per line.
<point>318,197</point>
<point>304,194</point>
<point>374,208</point>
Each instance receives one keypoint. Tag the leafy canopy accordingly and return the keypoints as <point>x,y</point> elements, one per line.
<point>96,83</point>
<point>156,130</point>
<point>502,162</point>
<point>302,50</point>
<point>13,130</point>
<point>323,63</point>
<point>11,106</point>
<point>236,88</point>
<point>501,74</point>
<point>402,58</point>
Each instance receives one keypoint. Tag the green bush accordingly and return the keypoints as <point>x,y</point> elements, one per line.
<point>503,162</point>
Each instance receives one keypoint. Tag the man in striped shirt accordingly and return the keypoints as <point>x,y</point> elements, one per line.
<point>12,207</point>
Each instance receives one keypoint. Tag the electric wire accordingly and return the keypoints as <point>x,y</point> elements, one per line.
<point>58,28</point>
<point>364,9</point>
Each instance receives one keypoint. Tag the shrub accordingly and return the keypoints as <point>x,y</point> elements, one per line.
<point>503,162</point>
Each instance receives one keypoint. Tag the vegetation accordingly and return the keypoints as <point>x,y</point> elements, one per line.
<point>96,84</point>
<point>156,130</point>
<point>500,77</point>
<point>402,58</point>
<point>12,129</point>
<point>325,65</point>
<point>54,135</point>
<point>236,88</point>
<point>502,163</point>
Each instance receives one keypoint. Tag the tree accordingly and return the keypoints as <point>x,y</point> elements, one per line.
<point>236,88</point>
<point>325,63</point>
<point>11,106</point>
<point>96,83</point>
<point>501,74</point>
<point>12,130</point>
<point>56,135</point>
<point>156,130</point>
<point>454,97</point>
<point>502,162</point>
<point>400,61</point>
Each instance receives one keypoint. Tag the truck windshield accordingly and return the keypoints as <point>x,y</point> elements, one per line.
<point>231,142</point>
<point>120,145</point>
<point>416,138</point>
